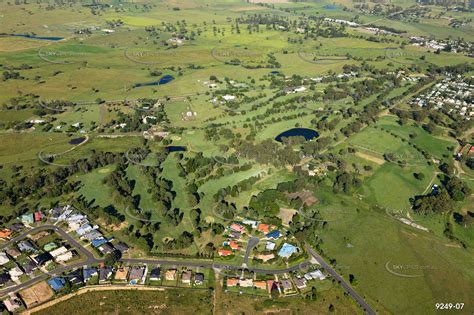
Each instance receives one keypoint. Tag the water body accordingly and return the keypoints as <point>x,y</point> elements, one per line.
<point>37,37</point>
<point>307,133</point>
<point>275,72</point>
<point>77,140</point>
<point>175,148</point>
<point>164,80</point>
<point>330,7</point>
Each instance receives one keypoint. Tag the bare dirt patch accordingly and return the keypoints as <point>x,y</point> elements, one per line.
<point>36,294</point>
<point>371,158</point>
<point>306,196</point>
<point>286,215</point>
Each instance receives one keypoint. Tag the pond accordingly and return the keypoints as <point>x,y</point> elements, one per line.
<point>164,80</point>
<point>275,72</point>
<point>307,133</point>
<point>38,37</point>
<point>175,148</point>
<point>77,140</point>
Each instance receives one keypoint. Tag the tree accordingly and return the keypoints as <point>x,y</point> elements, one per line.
<point>113,257</point>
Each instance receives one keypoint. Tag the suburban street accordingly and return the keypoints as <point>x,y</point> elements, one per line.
<point>90,260</point>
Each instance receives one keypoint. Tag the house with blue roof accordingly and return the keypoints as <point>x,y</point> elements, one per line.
<point>287,250</point>
<point>98,242</point>
<point>57,283</point>
<point>274,235</point>
<point>88,273</point>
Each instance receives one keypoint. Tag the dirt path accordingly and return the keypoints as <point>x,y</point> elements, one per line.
<point>90,289</point>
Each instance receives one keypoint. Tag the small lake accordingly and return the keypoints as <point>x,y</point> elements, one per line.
<point>77,140</point>
<point>175,148</point>
<point>307,133</point>
<point>37,37</point>
<point>164,80</point>
<point>275,72</point>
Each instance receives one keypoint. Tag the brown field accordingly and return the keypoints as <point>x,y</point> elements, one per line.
<point>286,215</point>
<point>371,158</point>
<point>36,294</point>
<point>306,196</point>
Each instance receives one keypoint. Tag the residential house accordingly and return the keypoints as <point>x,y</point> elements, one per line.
<point>186,277</point>
<point>237,228</point>
<point>43,258</point>
<point>224,252</point>
<point>270,245</point>
<point>50,246</point>
<point>3,258</point>
<point>136,274</point>
<point>15,273</point>
<point>106,248</point>
<point>155,274</point>
<point>232,244</point>
<point>88,273</point>
<point>58,251</point>
<point>300,283</point>
<point>232,282</point>
<point>262,285</point>
<point>252,223</point>
<point>29,266</point>
<point>246,283</point>
<point>286,285</point>
<point>317,274</point>
<point>16,227</point>
<point>38,216</point>
<point>122,247</point>
<point>287,250</point>
<point>5,233</point>
<point>99,242</point>
<point>199,279</point>
<point>27,219</point>
<point>122,274</point>
<point>64,257</point>
<point>235,235</point>
<point>12,303</point>
<point>26,246</point>
<point>170,274</point>
<point>4,278</point>
<point>274,235</point>
<point>75,277</point>
<point>13,252</point>
<point>57,283</point>
<point>105,273</point>
<point>263,228</point>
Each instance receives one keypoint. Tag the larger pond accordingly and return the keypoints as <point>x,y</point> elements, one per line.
<point>307,133</point>
<point>164,80</point>
<point>52,38</point>
<point>77,140</point>
<point>175,148</point>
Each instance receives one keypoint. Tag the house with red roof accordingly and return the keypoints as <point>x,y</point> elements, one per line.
<point>224,252</point>
<point>5,233</point>
<point>38,216</point>
<point>262,285</point>
<point>232,282</point>
<point>237,228</point>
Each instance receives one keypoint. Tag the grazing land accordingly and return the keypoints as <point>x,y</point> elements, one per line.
<point>255,156</point>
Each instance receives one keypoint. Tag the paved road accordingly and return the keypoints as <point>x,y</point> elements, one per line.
<point>253,241</point>
<point>343,283</point>
<point>91,260</point>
